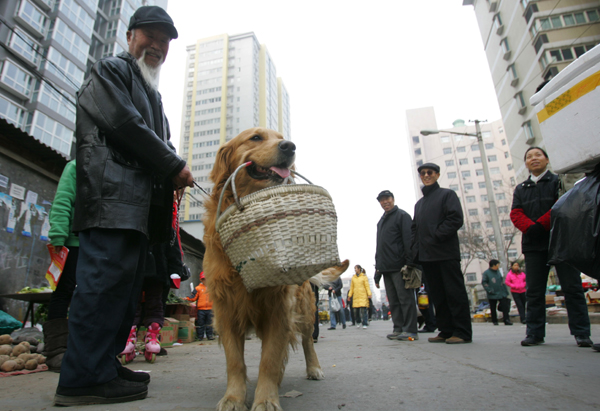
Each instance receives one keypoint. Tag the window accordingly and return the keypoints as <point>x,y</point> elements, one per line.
<point>447,150</point>
<point>497,183</point>
<point>506,154</point>
<point>70,40</point>
<point>500,196</point>
<point>486,134</point>
<point>513,182</point>
<point>419,163</point>
<point>471,277</point>
<point>24,45</point>
<point>479,172</point>
<point>463,161</point>
<point>503,209</point>
<point>475,147</point>
<point>476,226</point>
<point>449,163</point>
<point>540,42</point>
<point>473,211</point>
<point>482,184</point>
<point>453,187</point>
<point>503,142</point>
<point>520,101</point>
<point>489,146</point>
<point>498,24</point>
<point>484,197</point>
<point>452,174</point>
<point>33,16</point>
<point>486,211</point>
<point>77,15</point>
<point>506,223</point>
<point>468,186</point>
<point>504,45</point>
<point>16,78</point>
<point>488,224</point>
<point>509,166</point>
<point>415,139</point>
<point>495,170</point>
<point>529,10</point>
<point>512,253</point>
<point>470,199</point>
<point>492,158</point>
<point>445,139</point>
<point>477,160</point>
<point>465,173</point>
<point>465,256</point>
<point>418,152</point>
<point>64,68</point>
<point>481,255</point>
<point>57,102</point>
<point>461,149</point>
<point>514,78</point>
<point>51,132</point>
<point>11,112</point>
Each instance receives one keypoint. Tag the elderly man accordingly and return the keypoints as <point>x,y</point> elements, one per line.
<point>438,217</point>
<point>126,173</point>
<point>393,253</point>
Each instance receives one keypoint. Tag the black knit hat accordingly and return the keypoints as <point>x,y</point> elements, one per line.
<point>431,166</point>
<point>153,15</point>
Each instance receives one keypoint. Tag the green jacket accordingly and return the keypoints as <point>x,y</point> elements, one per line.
<point>63,207</point>
<point>493,283</point>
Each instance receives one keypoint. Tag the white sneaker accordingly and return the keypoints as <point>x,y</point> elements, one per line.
<point>364,326</point>
<point>358,326</point>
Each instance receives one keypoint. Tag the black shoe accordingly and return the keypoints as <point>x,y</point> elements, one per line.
<point>427,330</point>
<point>331,328</point>
<point>508,322</point>
<point>210,338</point>
<point>583,341</point>
<point>596,347</point>
<point>532,340</point>
<point>114,391</point>
<point>315,340</point>
<point>344,326</point>
<point>495,322</point>
<point>162,352</point>
<point>134,376</point>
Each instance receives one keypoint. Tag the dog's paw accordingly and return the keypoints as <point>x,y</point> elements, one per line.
<point>231,404</point>
<point>315,373</point>
<point>267,405</point>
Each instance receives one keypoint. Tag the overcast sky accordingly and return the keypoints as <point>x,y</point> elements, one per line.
<point>352,69</point>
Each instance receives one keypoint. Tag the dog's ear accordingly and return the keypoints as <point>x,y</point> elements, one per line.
<point>220,171</point>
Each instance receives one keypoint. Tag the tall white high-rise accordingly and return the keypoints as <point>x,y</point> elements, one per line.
<point>230,85</point>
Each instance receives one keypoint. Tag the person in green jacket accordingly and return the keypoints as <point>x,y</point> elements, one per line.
<point>496,291</point>
<point>60,234</point>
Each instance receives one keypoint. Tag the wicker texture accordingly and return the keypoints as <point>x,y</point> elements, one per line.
<point>283,235</point>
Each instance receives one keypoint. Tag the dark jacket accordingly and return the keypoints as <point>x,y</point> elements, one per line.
<point>532,203</point>
<point>337,286</point>
<point>493,283</point>
<point>393,242</point>
<point>124,163</point>
<point>438,217</point>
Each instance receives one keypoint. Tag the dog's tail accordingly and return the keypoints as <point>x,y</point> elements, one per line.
<point>330,274</point>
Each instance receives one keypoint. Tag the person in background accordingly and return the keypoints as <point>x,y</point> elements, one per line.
<point>56,329</point>
<point>496,292</point>
<point>393,252</point>
<point>360,293</point>
<point>334,289</point>
<point>204,306</point>
<point>351,311</point>
<point>315,334</point>
<point>438,217</point>
<point>126,174</point>
<point>532,201</point>
<point>515,279</point>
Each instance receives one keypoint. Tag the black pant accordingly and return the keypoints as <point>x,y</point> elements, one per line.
<point>153,309</point>
<point>316,324</point>
<point>61,297</point>
<point>520,300</point>
<point>110,272</point>
<point>503,305</point>
<point>402,303</point>
<point>204,323</point>
<point>448,293</point>
<point>570,283</point>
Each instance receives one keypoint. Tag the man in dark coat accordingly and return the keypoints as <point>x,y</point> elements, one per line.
<point>393,253</point>
<point>126,174</point>
<point>438,217</point>
<point>334,290</point>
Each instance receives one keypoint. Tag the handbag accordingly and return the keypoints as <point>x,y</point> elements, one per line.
<point>335,304</point>
<point>411,277</point>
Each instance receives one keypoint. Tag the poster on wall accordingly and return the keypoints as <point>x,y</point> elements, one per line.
<point>31,197</point>
<point>3,181</point>
<point>43,215</point>
<point>31,213</point>
<point>13,213</point>
<point>17,191</point>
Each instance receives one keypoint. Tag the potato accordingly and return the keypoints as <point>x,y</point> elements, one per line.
<point>19,349</point>
<point>31,365</point>
<point>5,349</point>
<point>4,358</point>
<point>25,344</point>
<point>5,339</point>
<point>8,366</point>
<point>20,364</point>
<point>27,357</point>
<point>41,359</point>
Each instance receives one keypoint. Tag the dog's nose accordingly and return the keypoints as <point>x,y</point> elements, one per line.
<point>287,147</point>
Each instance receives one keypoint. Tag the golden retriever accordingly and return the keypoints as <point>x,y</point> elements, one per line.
<point>277,314</point>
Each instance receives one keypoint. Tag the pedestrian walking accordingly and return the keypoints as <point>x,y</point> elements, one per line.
<point>126,174</point>
<point>496,292</point>
<point>360,293</point>
<point>438,217</point>
<point>530,213</point>
<point>334,290</point>
<point>515,279</point>
<point>393,252</point>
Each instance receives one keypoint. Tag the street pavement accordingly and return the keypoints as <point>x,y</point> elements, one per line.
<point>365,371</point>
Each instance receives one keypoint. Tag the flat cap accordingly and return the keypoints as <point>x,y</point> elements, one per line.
<point>153,15</point>
<point>431,166</point>
<point>385,193</point>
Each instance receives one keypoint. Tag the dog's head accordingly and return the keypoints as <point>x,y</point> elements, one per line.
<point>271,157</point>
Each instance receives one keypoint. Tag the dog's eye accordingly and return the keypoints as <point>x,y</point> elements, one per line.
<point>256,138</point>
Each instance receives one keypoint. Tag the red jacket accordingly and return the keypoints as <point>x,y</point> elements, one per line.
<point>202,298</point>
<point>516,282</point>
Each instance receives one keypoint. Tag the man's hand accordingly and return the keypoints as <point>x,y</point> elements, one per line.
<point>536,231</point>
<point>184,178</point>
<point>377,285</point>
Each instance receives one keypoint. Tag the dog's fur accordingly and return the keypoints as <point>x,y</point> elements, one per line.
<point>275,313</point>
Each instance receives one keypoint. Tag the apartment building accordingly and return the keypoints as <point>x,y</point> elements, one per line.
<point>526,43</point>
<point>47,48</point>
<point>461,170</point>
<point>231,85</point>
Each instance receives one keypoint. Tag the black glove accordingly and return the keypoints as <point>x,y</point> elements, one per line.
<point>536,231</point>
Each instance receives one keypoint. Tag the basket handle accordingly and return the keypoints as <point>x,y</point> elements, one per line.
<point>231,180</point>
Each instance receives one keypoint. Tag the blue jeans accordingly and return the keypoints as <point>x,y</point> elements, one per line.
<point>332,313</point>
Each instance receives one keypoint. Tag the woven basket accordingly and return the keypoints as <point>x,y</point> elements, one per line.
<point>279,235</point>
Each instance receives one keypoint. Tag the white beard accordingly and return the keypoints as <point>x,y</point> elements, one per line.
<point>149,73</point>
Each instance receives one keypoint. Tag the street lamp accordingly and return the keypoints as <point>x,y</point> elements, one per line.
<point>488,185</point>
